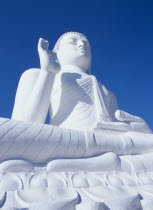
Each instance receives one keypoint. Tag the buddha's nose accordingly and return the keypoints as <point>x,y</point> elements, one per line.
<point>80,43</point>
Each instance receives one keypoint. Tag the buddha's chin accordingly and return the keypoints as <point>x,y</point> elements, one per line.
<point>82,53</point>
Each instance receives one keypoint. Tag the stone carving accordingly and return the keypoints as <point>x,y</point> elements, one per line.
<point>92,155</point>
<point>62,190</point>
<point>74,98</point>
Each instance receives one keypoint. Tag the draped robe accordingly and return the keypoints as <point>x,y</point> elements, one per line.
<point>78,101</point>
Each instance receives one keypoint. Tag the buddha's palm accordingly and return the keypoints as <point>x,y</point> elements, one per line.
<point>127,122</point>
<point>47,58</point>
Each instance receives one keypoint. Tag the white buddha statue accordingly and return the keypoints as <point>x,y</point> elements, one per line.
<point>91,156</point>
<point>64,87</point>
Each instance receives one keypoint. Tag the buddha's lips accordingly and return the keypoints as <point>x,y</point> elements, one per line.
<point>82,50</point>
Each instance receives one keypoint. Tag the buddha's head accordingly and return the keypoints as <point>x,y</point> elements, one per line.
<point>73,48</point>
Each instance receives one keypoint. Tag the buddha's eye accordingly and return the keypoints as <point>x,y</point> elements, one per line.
<point>72,42</point>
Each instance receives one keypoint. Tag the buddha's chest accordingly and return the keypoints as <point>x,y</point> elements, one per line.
<point>71,89</point>
<point>72,84</point>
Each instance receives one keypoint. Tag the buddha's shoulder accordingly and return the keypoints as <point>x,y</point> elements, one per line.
<point>30,72</point>
<point>102,88</point>
<point>29,77</point>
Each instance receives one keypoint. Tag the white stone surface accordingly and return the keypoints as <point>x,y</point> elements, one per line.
<point>39,143</point>
<point>92,155</point>
<point>74,98</point>
<point>105,171</point>
<point>63,190</point>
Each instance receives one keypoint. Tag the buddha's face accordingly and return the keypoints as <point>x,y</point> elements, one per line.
<point>74,49</point>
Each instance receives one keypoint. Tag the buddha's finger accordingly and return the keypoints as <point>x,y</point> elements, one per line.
<point>39,42</point>
<point>46,43</point>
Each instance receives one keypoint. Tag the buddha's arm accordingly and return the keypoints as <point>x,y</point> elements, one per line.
<point>33,96</point>
<point>34,89</point>
<point>117,119</point>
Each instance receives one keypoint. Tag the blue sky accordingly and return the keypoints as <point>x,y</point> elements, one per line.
<point>120,33</point>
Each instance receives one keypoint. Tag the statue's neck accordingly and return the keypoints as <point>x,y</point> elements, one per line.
<point>72,68</point>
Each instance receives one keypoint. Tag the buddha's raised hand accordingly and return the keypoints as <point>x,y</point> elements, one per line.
<point>47,58</point>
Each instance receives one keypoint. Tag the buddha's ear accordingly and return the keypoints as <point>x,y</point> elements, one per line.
<point>89,71</point>
<point>54,54</point>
